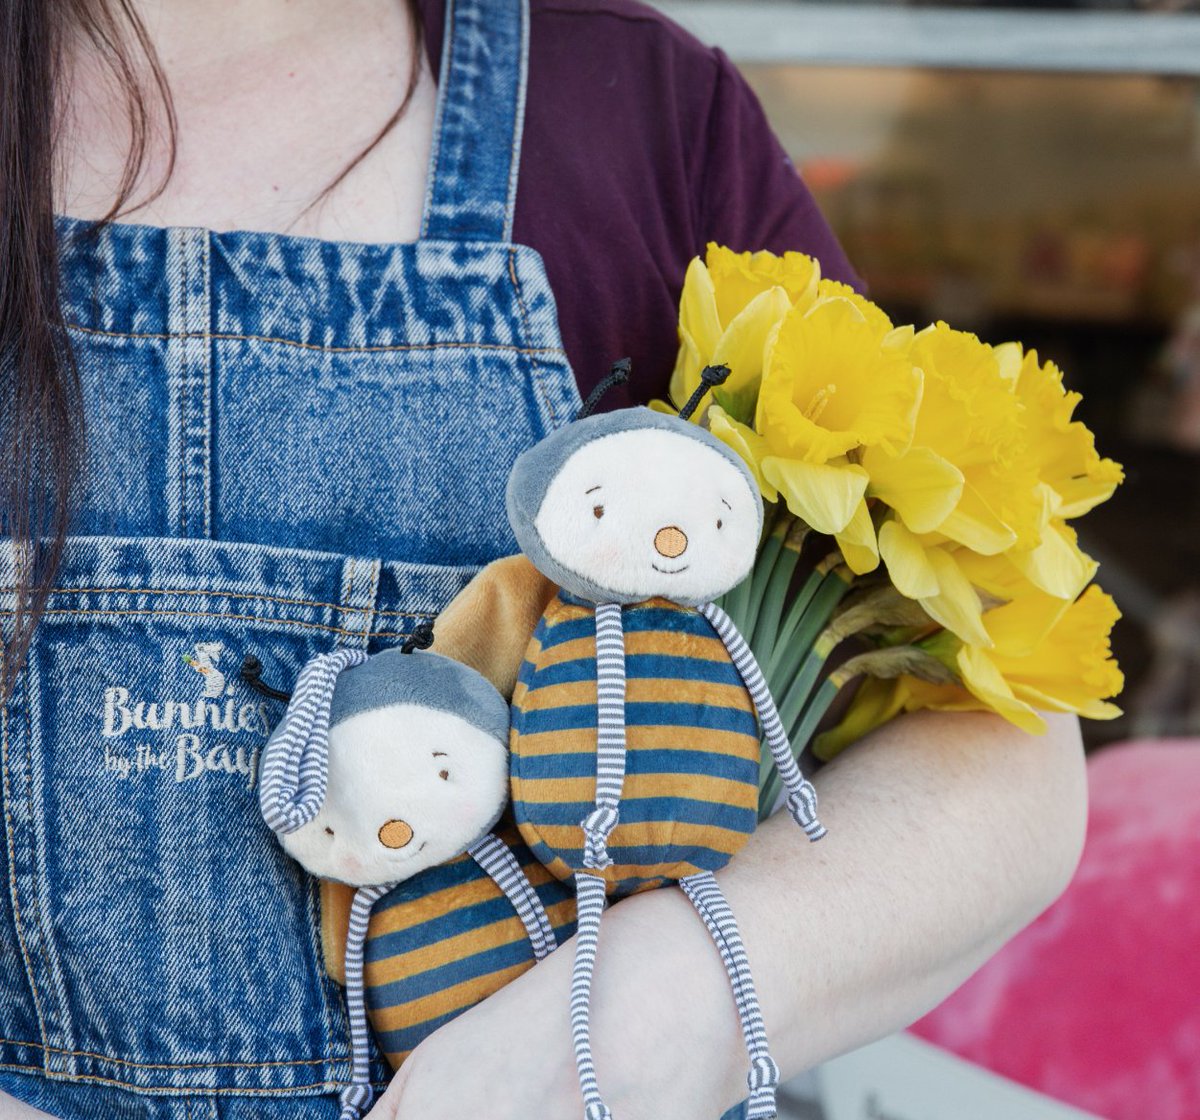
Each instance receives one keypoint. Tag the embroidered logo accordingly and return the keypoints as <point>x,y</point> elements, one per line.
<point>203,659</point>
<point>134,728</point>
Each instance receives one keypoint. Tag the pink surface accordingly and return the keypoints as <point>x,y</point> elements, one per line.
<point>1098,1002</point>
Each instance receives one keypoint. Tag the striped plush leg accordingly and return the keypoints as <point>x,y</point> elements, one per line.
<point>710,904</point>
<point>357,1095</point>
<point>496,858</point>
<point>589,893</point>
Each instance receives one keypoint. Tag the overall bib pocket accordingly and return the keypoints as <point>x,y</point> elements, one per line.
<point>162,938</point>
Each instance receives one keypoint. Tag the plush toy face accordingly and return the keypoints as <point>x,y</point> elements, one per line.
<point>409,787</point>
<point>651,512</point>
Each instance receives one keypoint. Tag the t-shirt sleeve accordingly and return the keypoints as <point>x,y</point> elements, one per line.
<point>752,196</point>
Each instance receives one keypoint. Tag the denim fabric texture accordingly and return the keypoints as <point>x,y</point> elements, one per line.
<point>294,445</point>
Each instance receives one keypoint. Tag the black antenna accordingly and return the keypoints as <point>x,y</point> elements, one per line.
<point>710,378</point>
<point>252,674</point>
<point>420,638</point>
<point>617,375</point>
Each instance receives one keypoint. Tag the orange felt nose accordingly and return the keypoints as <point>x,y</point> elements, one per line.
<point>395,834</point>
<point>670,542</point>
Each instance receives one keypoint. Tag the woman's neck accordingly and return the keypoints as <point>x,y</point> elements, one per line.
<point>271,107</point>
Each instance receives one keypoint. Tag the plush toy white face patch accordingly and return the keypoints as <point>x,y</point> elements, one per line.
<point>651,513</point>
<point>409,787</point>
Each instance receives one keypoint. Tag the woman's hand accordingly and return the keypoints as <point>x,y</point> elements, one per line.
<point>947,834</point>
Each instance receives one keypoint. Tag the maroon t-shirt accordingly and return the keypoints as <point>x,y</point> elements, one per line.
<point>640,146</point>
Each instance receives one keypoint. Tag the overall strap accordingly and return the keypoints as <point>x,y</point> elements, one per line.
<point>481,112</point>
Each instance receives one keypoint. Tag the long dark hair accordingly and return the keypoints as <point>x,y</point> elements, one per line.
<point>41,416</point>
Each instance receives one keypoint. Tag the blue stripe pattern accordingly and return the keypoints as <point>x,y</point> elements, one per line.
<point>689,793</point>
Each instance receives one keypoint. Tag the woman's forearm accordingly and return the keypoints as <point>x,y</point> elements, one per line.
<point>947,833</point>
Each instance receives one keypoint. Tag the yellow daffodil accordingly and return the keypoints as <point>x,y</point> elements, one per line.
<point>1045,655</point>
<point>739,277</point>
<point>956,463</point>
<point>965,487</point>
<point>931,574</point>
<point>1062,450</point>
<point>965,475</point>
<point>837,380</point>
<point>1056,565</point>
<point>728,312</point>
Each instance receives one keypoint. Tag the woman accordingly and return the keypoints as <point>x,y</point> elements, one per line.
<point>297,438</point>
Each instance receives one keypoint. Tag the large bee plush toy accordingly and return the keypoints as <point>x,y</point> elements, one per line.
<point>637,713</point>
<point>382,768</point>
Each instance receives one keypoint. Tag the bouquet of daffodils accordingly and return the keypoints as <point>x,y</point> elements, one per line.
<point>934,479</point>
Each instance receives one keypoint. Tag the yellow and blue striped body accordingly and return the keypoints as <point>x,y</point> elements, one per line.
<point>445,940</point>
<point>690,797</point>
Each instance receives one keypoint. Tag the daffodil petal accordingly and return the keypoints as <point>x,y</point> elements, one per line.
<point>907,564</point>
<point>972,523</point>
<point>1056,566</point>
<point>1071,667</point>
<point>857,542</point>
<point>746,442</point>
<point>921,486</point>
<point>956,606</point>
<point>1089,709</point>
<point>742,344</point>
<point>1009,358</point>
<point>1019,627</point>
<point>698,307</point>
<point>824,495</point>
<point>987,683</point>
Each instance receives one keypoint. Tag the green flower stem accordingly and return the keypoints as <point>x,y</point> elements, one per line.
<point>798,692</point>
<point>763,567</point>
<point>774,599</point>
<point>784,642</point>
<point>794,647</point>
<point>799,736</point>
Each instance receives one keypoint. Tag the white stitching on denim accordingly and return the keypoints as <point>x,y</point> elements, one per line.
<point>231,336</point>
<point>9,827</point>
<point>41,917</point>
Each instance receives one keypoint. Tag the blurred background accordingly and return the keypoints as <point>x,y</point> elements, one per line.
<point>1032,172</point>
<point>1028,173</point>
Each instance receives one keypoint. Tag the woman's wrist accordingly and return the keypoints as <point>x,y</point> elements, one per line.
<point>666,1035</point>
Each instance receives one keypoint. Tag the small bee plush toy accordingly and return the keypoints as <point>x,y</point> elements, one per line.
<point>381,768</point>
<point>636,716</point>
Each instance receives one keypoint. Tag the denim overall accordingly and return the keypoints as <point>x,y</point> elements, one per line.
<point>293,446</point>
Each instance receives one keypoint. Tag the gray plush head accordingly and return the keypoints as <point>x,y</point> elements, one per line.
<point>427,680</point>
<point>634,504</point>
<point>385,766</point>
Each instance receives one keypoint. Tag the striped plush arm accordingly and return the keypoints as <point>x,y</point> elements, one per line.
<point>802,798</point>
<point>357,1095</point>
<point>497,859</point>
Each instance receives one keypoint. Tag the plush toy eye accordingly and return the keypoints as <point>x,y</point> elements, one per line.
<point>718,522</point>
<point>444,775</point>
<point>328,831</point>
<point>598,512</point>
